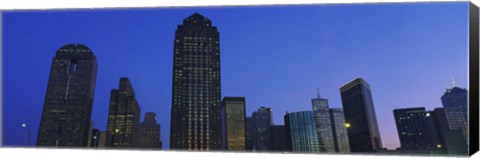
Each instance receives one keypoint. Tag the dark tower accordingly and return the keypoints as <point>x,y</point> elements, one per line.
<point>196,94</point>
<point>149,132</point>
<point>68,102</point>
<point>413,128</point>
<point>360,118</point>
<point>123,117</point>
<point>233,123</point>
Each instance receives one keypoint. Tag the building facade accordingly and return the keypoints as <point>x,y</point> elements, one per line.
<point>279,138</point>
<point>123,117</point>
<point>301,132</point>
<point>233,123</point>
<point>340,136</point>
<point>95,138</point>
<point>454,102</point>
<point>149,132</point>
<point>249,134</point>
<point>323,124</point>
<point>196,93</point>
<point>412,128</point>
<point>68,102</point>
<point>262,120</point>
<point>360,118</point>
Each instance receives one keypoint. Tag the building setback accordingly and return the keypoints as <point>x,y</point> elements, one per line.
<point>123,117</point>
<point>302,132</point>
<point>262,120</point>
<point>196,93</point>
<point>233,123</point>
<point>360,118</point>
<point>412,128</point>
<point>149,132</point>
<point>68,102</point>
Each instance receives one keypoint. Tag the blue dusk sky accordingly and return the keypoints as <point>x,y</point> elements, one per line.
<point>275,56</point>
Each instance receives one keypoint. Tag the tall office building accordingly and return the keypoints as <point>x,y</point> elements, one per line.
<point>412,128</point>
<point>123,117</point>
<point>454,101</point>
<point>279,138</point>
<point>262,120</point>
<point>360,118</point>
<point>249,134</point>
<point>340,136</point>
<point>68,102</point>
<point>323,124</point>
<point>302,132</point>
<point>445,139</point>
<point>196,94</point>
<point>149,132</point>
<point>233,123</point>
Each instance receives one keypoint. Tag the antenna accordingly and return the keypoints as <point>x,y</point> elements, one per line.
<point>454,83</point>
<point>318,94</point>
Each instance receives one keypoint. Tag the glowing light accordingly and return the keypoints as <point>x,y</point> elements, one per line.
<point>24,125</point>
<point>347,125</point>
<point>439,146</point>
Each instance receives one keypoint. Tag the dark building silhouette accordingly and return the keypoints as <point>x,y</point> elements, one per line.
<point>360,118</point>
<point>68,102</point>
<point>233,123</point>
<point>249,134</point>
<point>95,138</point>
<point>123,117</point>
<point>446,140</point>
<point>413,129</point>
<point>279,138</point>
<point>196,94</point>
<point>262,120</point>
<point>301,132</point>
<point>149,132</point>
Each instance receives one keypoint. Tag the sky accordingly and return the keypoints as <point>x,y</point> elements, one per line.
<point>275,56</point>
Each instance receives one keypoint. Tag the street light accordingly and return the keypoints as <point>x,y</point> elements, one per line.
<point>24,125</point>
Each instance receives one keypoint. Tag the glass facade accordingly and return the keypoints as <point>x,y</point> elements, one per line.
<point>340,135</point>
<point>233,123</point>
<point>454,101</point>
<point>123,117</point>
<point>195,116</point>
<point>360,118</point>
<point>323,123</point>
<point>68,102</point>
<point>302,132</point>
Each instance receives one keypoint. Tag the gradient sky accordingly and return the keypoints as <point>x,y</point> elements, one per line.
<point>275,56</point>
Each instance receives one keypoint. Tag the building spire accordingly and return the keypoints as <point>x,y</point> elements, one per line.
<point>318,94</point>
<point>454,83</point>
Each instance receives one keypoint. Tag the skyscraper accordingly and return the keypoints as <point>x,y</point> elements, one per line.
<point>196,93</point>
<point>360,118</point>
<point>454,101</point>
<point>412,128</point>
<point>233,123</point>
<point>340,136</point>
<point>262,120</point>
<point>447,140</point>
<point>302,132</point>
<point>323,124</point>
<point>68,102</point>
<point>123,117</point>
<point>149,132</point>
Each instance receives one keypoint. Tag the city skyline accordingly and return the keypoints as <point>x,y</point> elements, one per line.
<point>278,107</point>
